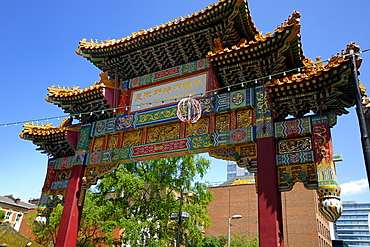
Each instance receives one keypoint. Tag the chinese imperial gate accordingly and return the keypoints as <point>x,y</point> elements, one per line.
<point>264,105</point>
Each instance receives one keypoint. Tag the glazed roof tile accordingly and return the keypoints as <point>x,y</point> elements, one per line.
<point>202,17</point>
<point>293,20</point>
<point>314,69</point>
<point>41,129</point>
<point>64,92</point>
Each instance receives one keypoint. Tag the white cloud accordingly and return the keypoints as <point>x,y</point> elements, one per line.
<point>355,187</point>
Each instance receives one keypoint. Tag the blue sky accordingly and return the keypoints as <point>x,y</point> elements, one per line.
<point>38,43</point>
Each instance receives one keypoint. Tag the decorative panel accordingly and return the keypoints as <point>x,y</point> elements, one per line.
<point>103,127</point>
<point>112,142</point>
<point>162,147</point>
<point>241,135</point>
<point>121,154</point>
<point>64,163</point>
<point>244,118</point>
<point>160,115</point>
<point>293,127</point>
<point>124,122</point>
<point>289,175</point>
<point>239,99</point>
<point>97,144</point>
<point>301,157</point>
<point>168,73</point>
<point>222,102</point>
<point>223,123</point>
<point>50,175</point>
<point>264,123</point>
<point>83,143</point>
<point>249,150</point>
<point>132,138</point>
<point>63,175</point>
<point>199,128</point>
<point>163,133</point>
<point>294,145</point>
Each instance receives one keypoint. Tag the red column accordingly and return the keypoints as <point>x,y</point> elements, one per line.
<point>69,224</point>
<point>270,222</point>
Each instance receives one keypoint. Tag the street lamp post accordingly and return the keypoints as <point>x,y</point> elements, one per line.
<point>180,214</point>
<point>237,216</point>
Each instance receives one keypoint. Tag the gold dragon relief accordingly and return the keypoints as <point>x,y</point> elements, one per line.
<point>294,145</point>
<point>132,138</point>
<point>112,142</point>
<point>163,133</point>
<point>63,175</point>
<point>262,103</point>
<point>97,144</point>
<point>198,128</point>
<point>244,118</point>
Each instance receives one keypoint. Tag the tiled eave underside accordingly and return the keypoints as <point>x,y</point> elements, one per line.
<point>260,60</point>
<point>326,91</point>
<point>51,141</point>
<point>86,107</point>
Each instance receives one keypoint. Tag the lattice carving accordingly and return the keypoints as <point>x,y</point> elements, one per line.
<point>223,123</point>
<point>163,133</point>
<point>249,150</point>
<point>244,119</point>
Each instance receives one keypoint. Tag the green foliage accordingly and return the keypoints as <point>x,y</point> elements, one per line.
<point>2,215</point>
<point>89,234</point>
<point>47,236</point>
<point>138,199</point>
<point>219,241</point>
<point>240,240</point>
<point>142,196</point>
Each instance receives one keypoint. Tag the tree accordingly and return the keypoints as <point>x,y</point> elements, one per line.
<point>2,215</point>
<point>213,241</point>
<point>138,198</point>
<point>89,234</point>
<point>240,240</point>
<point>142,195</point>
<point>46,236</point>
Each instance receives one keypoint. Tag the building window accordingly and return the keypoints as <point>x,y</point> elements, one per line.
<point>8,215</point>
<point>17,219</point>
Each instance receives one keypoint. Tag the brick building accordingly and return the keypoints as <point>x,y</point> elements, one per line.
<point>304,226</point>
<point>15,210</point>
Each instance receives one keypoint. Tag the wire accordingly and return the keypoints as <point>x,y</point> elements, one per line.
<point>214,91</point>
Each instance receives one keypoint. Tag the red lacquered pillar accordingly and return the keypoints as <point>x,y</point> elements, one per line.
<point>270,225</point>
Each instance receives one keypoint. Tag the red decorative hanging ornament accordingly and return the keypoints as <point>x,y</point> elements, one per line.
<point>189,110</point>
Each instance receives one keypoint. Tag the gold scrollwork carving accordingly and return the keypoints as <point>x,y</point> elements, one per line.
<point>63,175</point>
<point>98,144</point>
<point>112,142</point>
<point>294,145</point>
<point>262,103</point>
<point>244,119</point>
<point>132,138</point>
<point>223,123</point>
<point>198,128</point>
<point>249,151</point>
<point>163,133</point>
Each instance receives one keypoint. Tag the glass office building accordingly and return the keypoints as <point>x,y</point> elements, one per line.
<point>234,170</point>
<point>353,225</point>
